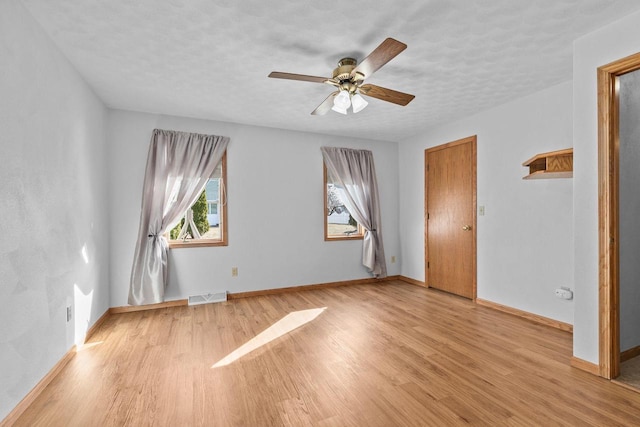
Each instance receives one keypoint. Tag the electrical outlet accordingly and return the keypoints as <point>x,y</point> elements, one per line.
<point>564,293</point>
<point>68,314</point>
<point>234,271</point>
<point>393,259</point>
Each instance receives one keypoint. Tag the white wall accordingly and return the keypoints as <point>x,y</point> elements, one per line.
<point>53,205</point>
<point>525,239</point>
<point>272,174</point>
<point>610,43</point>
<point>629,210</point>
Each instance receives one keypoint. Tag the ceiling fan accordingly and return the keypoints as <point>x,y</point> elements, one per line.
<point>349,77</point>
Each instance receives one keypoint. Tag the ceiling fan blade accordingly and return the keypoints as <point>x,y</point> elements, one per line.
<point>384,53</point>
<point>325,106</point>
<point>301,77</point>
<point>385,94</point>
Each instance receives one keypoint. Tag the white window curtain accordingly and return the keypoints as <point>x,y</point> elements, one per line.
<point>355,173</point>
<point>178,167</point>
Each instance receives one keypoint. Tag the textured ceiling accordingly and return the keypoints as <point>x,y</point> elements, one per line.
<point>210,58</point>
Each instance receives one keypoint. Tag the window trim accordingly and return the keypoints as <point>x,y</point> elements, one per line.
<point>222,208</point>
<point>355,236</point>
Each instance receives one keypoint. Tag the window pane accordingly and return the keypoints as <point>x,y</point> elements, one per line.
<point>340,224</point>
<point>213,196</point>
<point>212,190</point>
<point>206,215</point>
<point>200,219</point>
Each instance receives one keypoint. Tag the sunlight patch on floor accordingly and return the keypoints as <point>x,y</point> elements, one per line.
<point>282,327</point>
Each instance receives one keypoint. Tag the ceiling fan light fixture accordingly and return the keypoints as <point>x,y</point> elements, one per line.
<point>358,103</point>
<point>339,110</point>
<point>342,101</point>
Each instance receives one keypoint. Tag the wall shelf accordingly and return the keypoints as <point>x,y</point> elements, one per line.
<point>554,164</point>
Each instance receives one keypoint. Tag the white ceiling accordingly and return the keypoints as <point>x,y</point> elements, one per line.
<point>210,58</point>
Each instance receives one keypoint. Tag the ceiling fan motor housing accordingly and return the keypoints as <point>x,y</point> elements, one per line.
<point>345,67</point>
<point>343,76</point>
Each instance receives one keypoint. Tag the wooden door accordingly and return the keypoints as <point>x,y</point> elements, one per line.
<point>450,226</point>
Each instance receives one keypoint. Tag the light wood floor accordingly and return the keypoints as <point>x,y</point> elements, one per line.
<point>377,355</point>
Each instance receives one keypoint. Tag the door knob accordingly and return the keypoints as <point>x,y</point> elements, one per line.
<point>467,228</point>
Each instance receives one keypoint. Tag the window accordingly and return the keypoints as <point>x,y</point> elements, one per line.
<point>338,224</point>
<point>208,215</point>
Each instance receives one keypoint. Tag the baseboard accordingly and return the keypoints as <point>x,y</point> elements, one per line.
<point>131,308</point>
<point>630,353</point>
<point>412,281</point>
<point>13,416</point>
<point>238,295</point>
<point>583,365</point>
<point>526,315</point>
<point>94,328</point>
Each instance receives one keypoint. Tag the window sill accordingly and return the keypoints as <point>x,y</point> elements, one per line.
<point>336,238</point>
<point>196,244</point>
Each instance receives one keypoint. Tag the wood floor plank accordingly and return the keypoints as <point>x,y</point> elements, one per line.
<point>363,355</point>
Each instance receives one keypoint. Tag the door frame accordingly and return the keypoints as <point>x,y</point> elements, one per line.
<point>474,184</point>
<point>608,208</point>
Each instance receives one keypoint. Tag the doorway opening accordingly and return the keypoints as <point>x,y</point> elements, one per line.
<point>609,212</point>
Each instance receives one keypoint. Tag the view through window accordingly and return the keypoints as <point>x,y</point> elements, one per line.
<point>204,224</point>
<point>339,224</point>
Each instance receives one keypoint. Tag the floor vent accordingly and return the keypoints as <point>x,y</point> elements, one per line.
<point>207,298</point>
